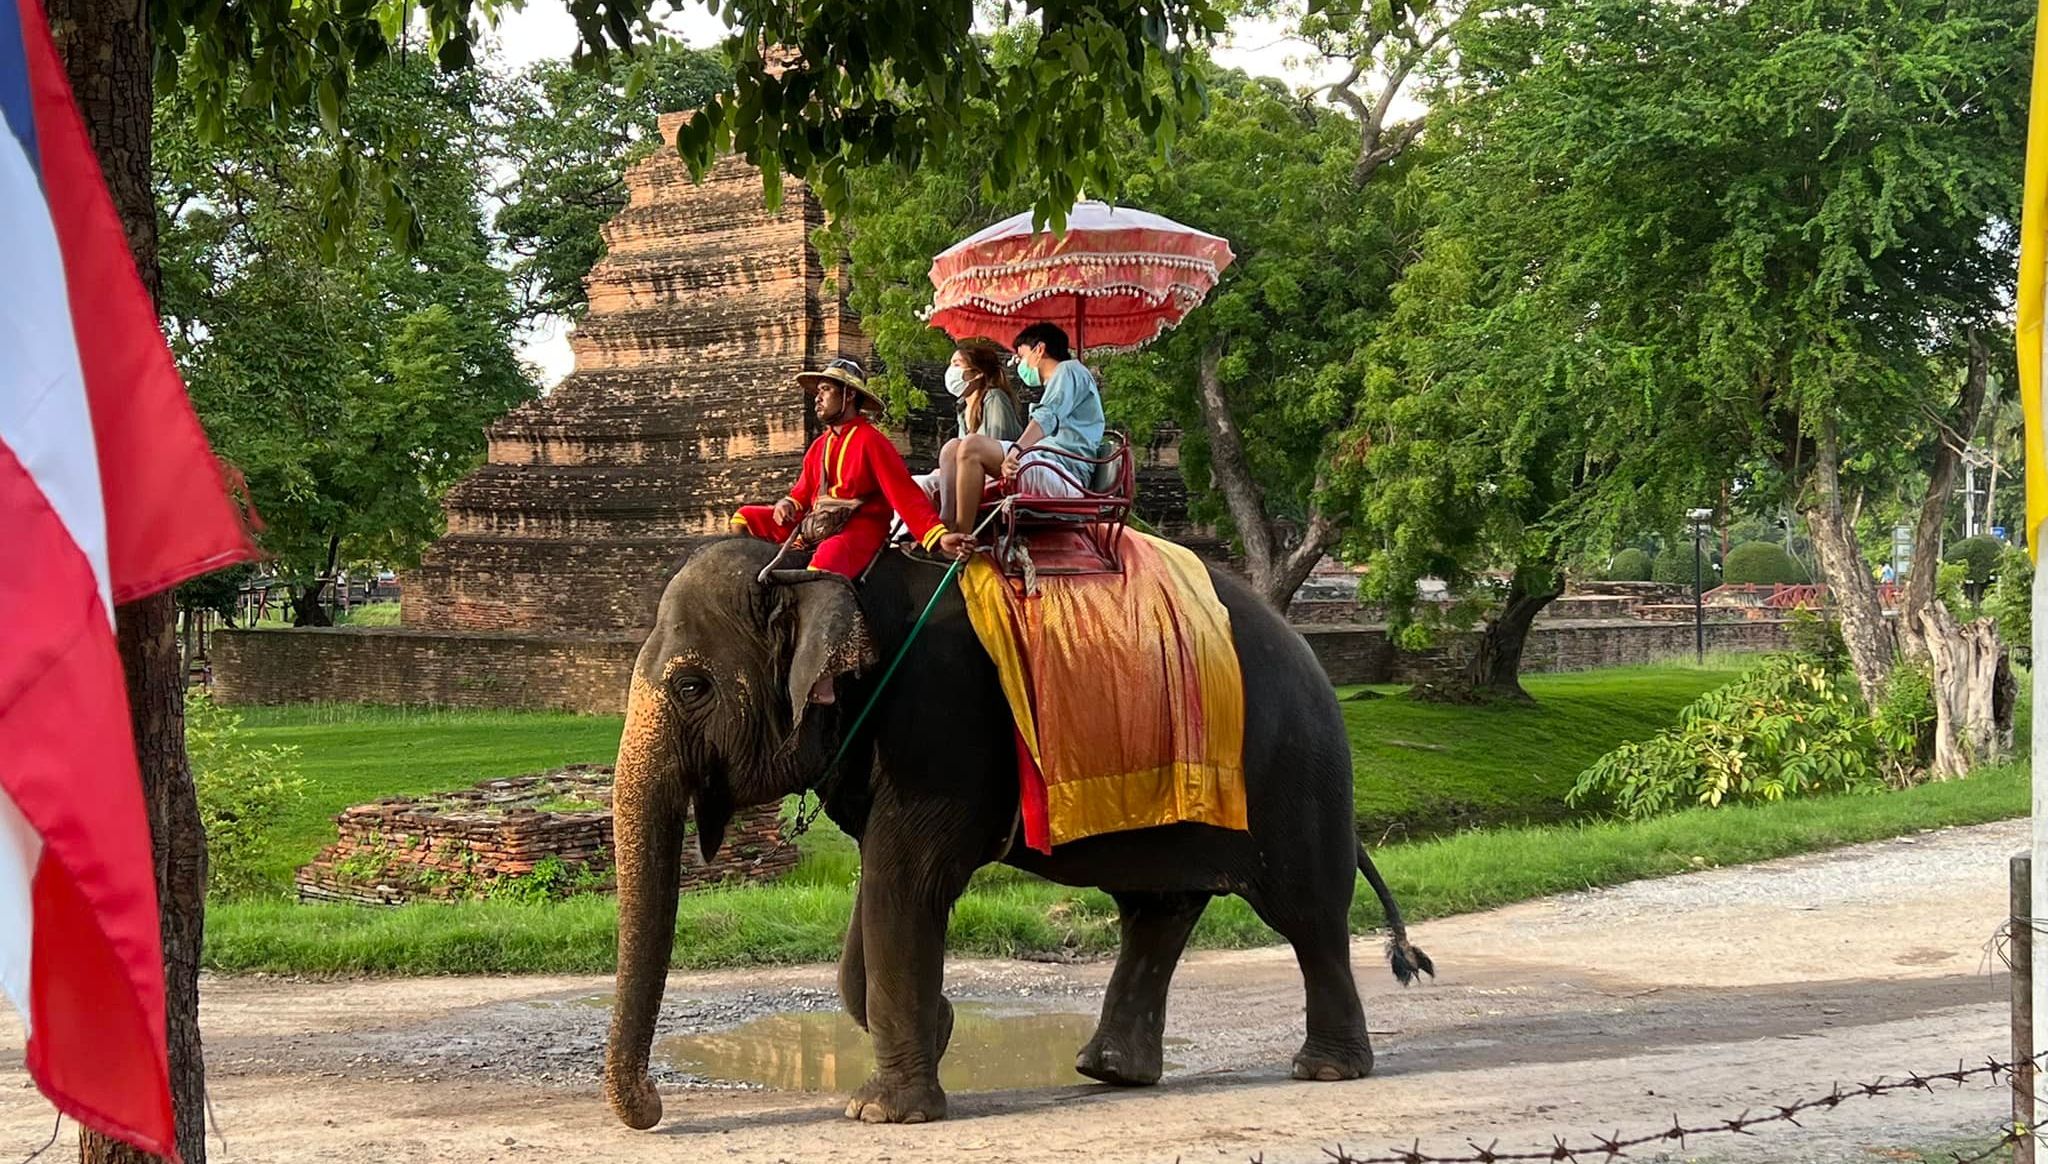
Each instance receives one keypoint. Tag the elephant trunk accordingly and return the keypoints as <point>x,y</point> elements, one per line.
<point>647,811</point>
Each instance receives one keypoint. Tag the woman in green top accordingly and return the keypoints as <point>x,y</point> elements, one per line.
<point>989,418</point>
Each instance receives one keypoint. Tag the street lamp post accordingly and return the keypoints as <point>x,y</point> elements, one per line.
<point>1700,519</point>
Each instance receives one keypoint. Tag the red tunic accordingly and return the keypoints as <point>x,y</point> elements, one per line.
<point>853,461</point>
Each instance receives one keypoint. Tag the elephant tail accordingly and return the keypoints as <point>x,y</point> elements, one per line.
<point>1409,963</point>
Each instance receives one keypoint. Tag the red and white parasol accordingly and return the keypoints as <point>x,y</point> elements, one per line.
<point>1115,280</point>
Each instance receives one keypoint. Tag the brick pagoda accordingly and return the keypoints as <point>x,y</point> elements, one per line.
<point>681,404</point>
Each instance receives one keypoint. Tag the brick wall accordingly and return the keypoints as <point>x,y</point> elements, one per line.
<point>588,674</point>
<point>580,673</point>
<point>1363,654</point>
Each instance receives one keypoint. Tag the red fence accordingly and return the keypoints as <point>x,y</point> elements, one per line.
<point>1785,596</point>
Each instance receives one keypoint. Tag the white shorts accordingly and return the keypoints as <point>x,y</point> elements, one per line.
<point>1037,476</point>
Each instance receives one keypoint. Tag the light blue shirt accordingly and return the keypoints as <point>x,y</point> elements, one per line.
<point>1070,415</point>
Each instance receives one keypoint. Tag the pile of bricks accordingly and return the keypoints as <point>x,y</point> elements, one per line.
<point>485,839</point>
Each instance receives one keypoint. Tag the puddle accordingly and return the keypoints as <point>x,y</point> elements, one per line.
<point>991,1050</point>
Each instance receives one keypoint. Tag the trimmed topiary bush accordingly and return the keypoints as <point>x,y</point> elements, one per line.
<point>1980,554</point>
<point>1630,565</point>
<point>1763,563</point>
<point>1675,566</point>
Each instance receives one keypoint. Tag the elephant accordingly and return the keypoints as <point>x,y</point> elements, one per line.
<point>739,697</point>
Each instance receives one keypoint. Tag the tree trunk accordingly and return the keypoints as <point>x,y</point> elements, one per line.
<point>105,45</point>
<point>149,656</point>
<point>1277,570</point>
<point>1496,666</point>
<point>307,609</point>
<point>1873,647</point>
<point>1965,660</point>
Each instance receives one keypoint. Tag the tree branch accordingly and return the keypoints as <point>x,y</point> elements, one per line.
<point>1231,468</point>
<point>1941,478</point>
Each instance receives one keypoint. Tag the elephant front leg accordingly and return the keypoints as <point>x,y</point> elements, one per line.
<point>903,933</point>
<point>1127,1049</point>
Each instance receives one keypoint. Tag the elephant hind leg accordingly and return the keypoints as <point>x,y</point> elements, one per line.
<point>1127,1047</point>
<point>1337,1046</point>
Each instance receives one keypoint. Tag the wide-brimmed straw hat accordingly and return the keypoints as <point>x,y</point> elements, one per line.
<point>848,375</point>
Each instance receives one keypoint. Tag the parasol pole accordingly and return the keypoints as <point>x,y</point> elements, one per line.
<point>1080,324</point>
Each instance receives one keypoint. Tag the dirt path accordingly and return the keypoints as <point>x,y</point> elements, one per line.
<point>1702,995</point>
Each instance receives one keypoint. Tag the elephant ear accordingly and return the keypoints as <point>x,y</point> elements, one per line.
<point>831,639</point>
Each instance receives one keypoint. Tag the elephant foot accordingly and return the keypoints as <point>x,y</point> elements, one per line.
<point>634,1101</point>
<point>883,1101</point>
<point>1119,1061</point>
<point>1329,1063</point>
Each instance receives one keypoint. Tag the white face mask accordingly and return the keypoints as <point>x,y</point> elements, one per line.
<point>956,380</point>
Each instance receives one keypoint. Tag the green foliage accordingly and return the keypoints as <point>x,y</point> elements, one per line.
<point>909,83</point>
<point>1980,555</point>
<point>1762,563</point>
<point>551,879</point>
<point>348,392</point>
<point>2011,601</point>
<point>245,789</point>
<point>1639,283</point>
<point>1904,717</point>
<point>564,137</point>
<point>1630,565</point>
<point>1818,637</point>
<point>1788,728</point>
<point>861,82</point>
<point>217,592</point>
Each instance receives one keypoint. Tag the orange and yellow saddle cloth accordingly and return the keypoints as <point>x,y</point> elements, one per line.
<point>1126,692</point>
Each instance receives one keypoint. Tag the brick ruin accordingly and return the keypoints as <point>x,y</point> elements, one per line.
<point>499,836</point>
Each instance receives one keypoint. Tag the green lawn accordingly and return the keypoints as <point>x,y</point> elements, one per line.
<point>1006,914</point>
<point>1423,769</point>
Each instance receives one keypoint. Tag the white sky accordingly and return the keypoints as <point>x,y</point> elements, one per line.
<point>544,30</point>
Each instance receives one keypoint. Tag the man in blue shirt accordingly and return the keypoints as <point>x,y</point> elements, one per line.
<point>1067,420</point>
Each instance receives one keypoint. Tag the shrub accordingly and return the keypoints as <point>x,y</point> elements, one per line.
<point>1630,565</point>
<point>1819,638</point>
<point>1981,554</point>
<point>1674,566</point>
<point>243,790</point>
<point>1787,728</point>
<point>1762,563</point>
<point>1904,719</point>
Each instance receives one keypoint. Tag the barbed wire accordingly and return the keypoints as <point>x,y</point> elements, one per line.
<point>1613,1146</point>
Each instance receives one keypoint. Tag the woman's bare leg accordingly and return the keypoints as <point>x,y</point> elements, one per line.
<point>949,456</point>
<point>975,460</point>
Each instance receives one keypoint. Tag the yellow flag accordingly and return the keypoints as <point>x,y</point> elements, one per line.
<point>2033,282</point>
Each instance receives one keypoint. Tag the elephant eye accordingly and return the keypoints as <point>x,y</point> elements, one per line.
<point>692,685</point>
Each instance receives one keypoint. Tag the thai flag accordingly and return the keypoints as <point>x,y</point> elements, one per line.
<point>108,493</point>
